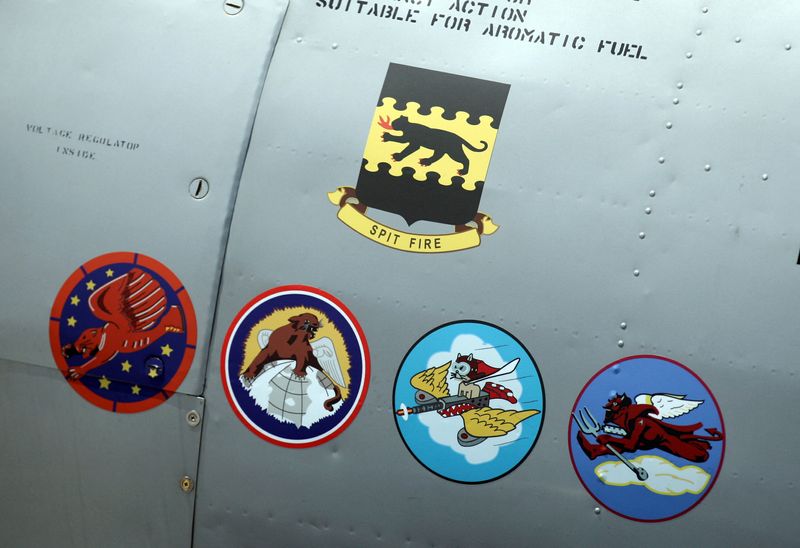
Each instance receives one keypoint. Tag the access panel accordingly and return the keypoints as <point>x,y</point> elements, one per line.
<point>561,234</point>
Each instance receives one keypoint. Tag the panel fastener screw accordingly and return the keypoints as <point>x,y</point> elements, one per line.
<point>679,85</point>
<point>698,32</point>
<point>688,54</point>
<point>233,7</point>
<point>675,101</point>
<point>707,167</point>
<point>597,510</point>
<point>623,325</point>
<point>193,418</point>
<point>660,159</point>
<point>198,188</point>
<point>764,177</point>
<point>652,193</point>
<point>187,484</point>
<point>705,10</point>
<point>738,39</point>
<point>641,235</point>
<point>787,47</point>
<point>620,343</point>
<point>648,210</point>
<point>668,125</point>
<point>636,272</point>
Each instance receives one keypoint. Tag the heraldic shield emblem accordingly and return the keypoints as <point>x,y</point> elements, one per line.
<point>426,159</point>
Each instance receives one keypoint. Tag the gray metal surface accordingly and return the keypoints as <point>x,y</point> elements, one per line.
<point>576,158</point>
<point>75,476</point>
<point>179,82</point>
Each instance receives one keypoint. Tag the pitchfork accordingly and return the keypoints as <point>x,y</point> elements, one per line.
<point>589,425</point>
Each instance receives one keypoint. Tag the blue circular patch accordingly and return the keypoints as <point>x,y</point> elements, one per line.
<point>469,401</point>
<point>667,428</point>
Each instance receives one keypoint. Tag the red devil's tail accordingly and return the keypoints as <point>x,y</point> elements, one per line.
<point>715,435</point>
<point>173,320</point>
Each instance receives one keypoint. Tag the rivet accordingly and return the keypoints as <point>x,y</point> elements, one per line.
<point>299,39</point>
<point>187,484</point>
<point>193,418</point>
<point>698,32</point>
<point>738,39</point>
<point>636,272</point>
<point>334,46</point>
<point>641,235</point>
<point>688,54</point>
<point>668,125</point>
<point>660,159</point>
<point>787,47</point>
<point>198,188</point>
<point>648,210</point>
<point>705,10</point>
<point>597,510</point>
<point>679,85</point>
<point>620,343</point>
<point>623,325</point>
<point>675,101</point>
<point>233,7</point>
<point>764,177</point>
<point>707,167</point>
<point>652,193</point>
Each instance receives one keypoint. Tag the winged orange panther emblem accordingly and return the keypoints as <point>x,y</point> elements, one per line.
<point>134,307</point>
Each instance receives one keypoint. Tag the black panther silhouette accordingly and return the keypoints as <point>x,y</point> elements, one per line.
<point>441,142</point>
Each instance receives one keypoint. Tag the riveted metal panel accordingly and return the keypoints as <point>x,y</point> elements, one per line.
<point>707,277</point>
<point>75,476</point>
<point>108,113</point>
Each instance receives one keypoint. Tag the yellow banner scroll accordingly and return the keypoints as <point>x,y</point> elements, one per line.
<point>405,241</point>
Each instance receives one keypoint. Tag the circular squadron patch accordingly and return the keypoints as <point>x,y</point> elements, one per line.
<point>123,332</point>
<point>469,401</point>
<point>295,366</point>
<point>647,438</point>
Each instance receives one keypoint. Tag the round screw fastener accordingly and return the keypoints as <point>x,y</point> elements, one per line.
<point>198,188</point>
<point>187,484</point>
<point>233,7</point>
<point>193,418</point>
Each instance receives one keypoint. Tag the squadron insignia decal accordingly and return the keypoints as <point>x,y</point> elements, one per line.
<point>123,332</point>
<point>646,438</point>
<point>426,159</point>
<point>469,401</point>
<point>295,366</point>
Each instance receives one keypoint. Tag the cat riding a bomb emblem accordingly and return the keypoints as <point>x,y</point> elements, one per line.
<point>426,160</point>
<point>469,401</point>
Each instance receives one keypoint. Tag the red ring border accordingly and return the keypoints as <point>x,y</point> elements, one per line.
<point>162,270</point>
<point>341,427</point>
<point>721,421</point>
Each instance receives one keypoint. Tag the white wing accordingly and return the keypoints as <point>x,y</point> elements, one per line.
<point>669,405</point>
<point>505,370</point>
<point>263,337</point>
<point>325,353</point>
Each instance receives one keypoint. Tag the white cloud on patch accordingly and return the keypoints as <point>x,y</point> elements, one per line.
<point>664,478</point>
<point>444,431</point>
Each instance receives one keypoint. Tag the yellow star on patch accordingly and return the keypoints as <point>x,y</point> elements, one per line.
<point>74,300</point>
<point>109,272</point>
<point>135,389</point>
<point>166,350</point>
<point>71,321</point>
<point>126,366</point>
<point>153,373</point>
<point>104,383</point>
<point>90,285</point>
